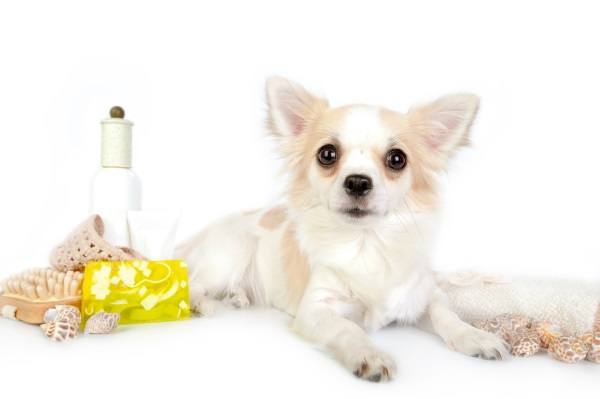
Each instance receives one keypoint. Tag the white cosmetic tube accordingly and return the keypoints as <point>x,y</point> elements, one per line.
<point>152,233</point>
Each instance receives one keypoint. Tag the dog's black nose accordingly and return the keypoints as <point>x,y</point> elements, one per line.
<point>358,185</point>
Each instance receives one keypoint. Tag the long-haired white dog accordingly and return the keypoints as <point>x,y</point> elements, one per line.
<point>349,250</point>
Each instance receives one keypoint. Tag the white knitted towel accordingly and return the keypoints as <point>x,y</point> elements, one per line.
<point>571,305</point>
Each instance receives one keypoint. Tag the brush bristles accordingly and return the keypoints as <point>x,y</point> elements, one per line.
<point>44,284</point>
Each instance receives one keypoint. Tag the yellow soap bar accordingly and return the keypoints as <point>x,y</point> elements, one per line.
<point>140,291</point>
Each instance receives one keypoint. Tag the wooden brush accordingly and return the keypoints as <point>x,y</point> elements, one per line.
<point>28,295</point>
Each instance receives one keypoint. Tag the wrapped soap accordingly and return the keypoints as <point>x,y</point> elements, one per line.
<point>139,291</point>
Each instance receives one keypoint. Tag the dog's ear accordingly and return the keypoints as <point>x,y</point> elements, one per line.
<point>443,126</point>
<point>291,107</point>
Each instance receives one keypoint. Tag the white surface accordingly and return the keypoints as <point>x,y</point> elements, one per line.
<point>524,199</point>
<point>252,354</point>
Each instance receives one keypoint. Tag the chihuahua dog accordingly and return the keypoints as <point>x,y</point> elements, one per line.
<point>349,250</point>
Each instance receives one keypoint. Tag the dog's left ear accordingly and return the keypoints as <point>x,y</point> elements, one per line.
<point>443,126</point>
<point>291,107</point>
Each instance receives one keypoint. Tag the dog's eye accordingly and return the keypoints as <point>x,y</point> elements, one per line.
<point>395,159</point>
<point>327,155</point>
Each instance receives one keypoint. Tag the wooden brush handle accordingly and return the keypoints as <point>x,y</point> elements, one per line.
<point>33,311</point>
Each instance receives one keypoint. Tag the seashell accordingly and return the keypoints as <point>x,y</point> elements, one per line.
<point>504,326</point>
<point>62,323</point>
<point>66,313</point>
<point>568,349</point>
<point>547,332</point>
<point>50,315</point>
<point>525,343</point>
<point>593,342</point>
<point>60,331</point>
<point>102,323</point>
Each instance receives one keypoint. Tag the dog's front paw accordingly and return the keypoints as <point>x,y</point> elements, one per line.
<point>478,343</point>
<point>372,365</point>
<point>237,299</point>
<point>203,306</point>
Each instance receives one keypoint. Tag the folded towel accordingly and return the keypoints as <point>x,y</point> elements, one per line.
<point>574,306</point>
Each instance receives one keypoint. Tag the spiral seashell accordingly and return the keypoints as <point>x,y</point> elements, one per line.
<point>568,349</point>
<point>102,323</point>
<point>60,331</point>
<point>547,332</point>
<point>525,343</point>
<point>67,313</point>
<point>593,341</point>
<point>62,323</point>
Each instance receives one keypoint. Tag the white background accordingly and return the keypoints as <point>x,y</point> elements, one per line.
<point>524,199</point>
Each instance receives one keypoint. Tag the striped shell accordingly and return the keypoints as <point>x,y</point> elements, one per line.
<point>62,323</point>
<point>67,313</point>
<point>102,323</point>
<point>60,331</point>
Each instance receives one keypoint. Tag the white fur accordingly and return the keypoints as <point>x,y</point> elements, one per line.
<point>364,274</point>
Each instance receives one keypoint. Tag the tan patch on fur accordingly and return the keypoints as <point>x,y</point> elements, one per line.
<point>303,150</point>
<point>387,172</point>
<point>273,218</point>
<point>317,134</point>
<point>295,267</point>
<point>323,139</point>
<point>423,193</point>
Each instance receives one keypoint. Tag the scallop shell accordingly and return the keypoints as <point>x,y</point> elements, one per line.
<point>60,331</point>
<point>102,323</point>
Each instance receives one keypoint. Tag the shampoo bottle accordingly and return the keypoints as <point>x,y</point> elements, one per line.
<point>116,188</point>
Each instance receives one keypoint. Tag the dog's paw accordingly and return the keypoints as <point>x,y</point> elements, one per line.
<point>203,305</point>
<point>238,299</point>
<point>478,343</point>
<point>371,365</point>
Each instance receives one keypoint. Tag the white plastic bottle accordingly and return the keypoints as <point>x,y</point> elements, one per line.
<point>116,188</point>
